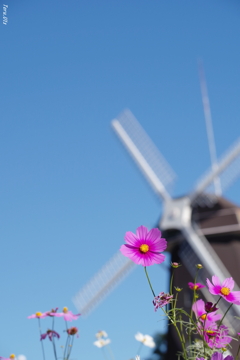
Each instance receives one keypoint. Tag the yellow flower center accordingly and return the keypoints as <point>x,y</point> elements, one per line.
<point>65,309</point>
<point>225,291</point>
<point>211,333</point>
<point>12,356</point>
<point>144,248</point>
<point>38,314</point>
<point>203,317</point>
<point>195,287</point>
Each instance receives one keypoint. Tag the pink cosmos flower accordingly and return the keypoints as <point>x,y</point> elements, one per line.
<point>215,337</point>
<point>50,334</point>
<point>224,290</point>
<point>67,315</point>
<point>200,312</point>
<point>11,357</point>
<point>196,286</point>
<point>144,248</point>
<point>161,300</point>
<point>38,315</point>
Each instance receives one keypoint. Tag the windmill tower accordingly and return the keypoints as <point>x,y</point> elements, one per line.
<point>201,227</point>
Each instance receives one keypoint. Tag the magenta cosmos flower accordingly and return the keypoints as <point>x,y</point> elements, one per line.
<point>201,314</point>
<point>144,248</point>
<point>196,286</point>
<point>224,290</point>
<point>11,357</point>
<point>67,315</point>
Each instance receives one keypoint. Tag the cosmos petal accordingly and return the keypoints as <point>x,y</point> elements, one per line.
<point>215,290</point>
<point>233,297</point>
<point>160,246</point>
<point>228,283</point>
<point>130,238</point>
<point>142,232</point>
<point>217,356</point>
<point>199,308</point>
<point>216,281</point>
<point>154,235</point>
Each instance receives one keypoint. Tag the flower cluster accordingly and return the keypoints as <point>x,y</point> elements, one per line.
<point>145,248</point>
<point>52,334</point>
<point>102,341</point>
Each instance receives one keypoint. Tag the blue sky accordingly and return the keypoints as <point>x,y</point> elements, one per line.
<point>69,191</point>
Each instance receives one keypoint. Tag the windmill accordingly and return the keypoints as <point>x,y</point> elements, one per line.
<point>190,223</point>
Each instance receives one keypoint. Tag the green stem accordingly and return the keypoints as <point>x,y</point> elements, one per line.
<point>110,352</point>
<point>171,282</point>
<point>104,354</point>
<point>40,337</point>
<point>191,312</point>
<point>179,334</point>
<point>224,316</point>
<point>53,341</point>
<point>140,347</point>
<point>145,269</point>
<point>66,347</point>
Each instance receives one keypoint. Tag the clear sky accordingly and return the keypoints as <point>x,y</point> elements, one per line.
<point>68,190</point>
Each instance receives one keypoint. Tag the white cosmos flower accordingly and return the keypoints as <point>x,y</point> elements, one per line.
<point>100,334</point>
<point>147,340</point>
<point>137,357</point>
<point>101,342</point>
<point>21,357</point>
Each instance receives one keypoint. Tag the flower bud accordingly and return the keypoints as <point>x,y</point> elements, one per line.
<point>177,288</point>
<point>72,331</point>
<point>210,307</point>
<point>199,266</point>
<point>175,265</point>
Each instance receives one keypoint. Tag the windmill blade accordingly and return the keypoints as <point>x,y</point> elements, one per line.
<point>152,164</point>
<point>201,249</point>
<point>116,269</point>
<point>232,156</point>
<point>209,127</point>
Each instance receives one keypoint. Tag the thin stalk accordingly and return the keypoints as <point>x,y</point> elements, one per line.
<point>174,306</point>
<point>66,347</point>
<point>54,348</point>
<point>70,346</point>
<point>39,326</point>
<point>104,354</point>
<point>224,316</point>
<point>145,269</point>
<point>53,341</point>
<point>191,312</point>
<point>139,349</point>
<point>179,334</point>
<point>171,282</point>
<point>110,352</point>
